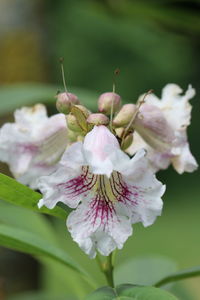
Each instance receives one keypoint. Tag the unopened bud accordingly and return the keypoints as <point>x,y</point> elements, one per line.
<point>72,123</point>
<point>98,119</point>
<point>125,115</point>
<point>81,114</point>
<point>109,101</point>
<point>64,102</point>
<point>72,136</point>
<point>127,141</point>
<point>119,132</point>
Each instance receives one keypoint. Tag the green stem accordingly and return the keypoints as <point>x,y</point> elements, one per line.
<point>107,268</point>
<point>109,271</point>
<point>189,273</point>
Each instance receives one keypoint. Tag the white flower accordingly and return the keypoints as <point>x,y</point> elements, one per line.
<point>162,126</point>
<point>109,190</point>
<point>33,144</point>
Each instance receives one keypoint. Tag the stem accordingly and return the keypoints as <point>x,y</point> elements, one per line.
<point>179,276</point>
<point>107,268</point>
<point>109,271</point>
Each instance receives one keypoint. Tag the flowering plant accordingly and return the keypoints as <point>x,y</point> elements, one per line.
<point>98,171</point>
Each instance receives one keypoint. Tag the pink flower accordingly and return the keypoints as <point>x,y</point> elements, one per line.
<point>161,129</point>
<point>108,190</point>
<point>33,144</point>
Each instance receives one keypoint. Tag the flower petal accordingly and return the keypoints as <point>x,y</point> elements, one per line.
<point>99,225</point>
<point>176,107</point>
<point>99,145</point>
<point>67,184</point>
<point>152,125</point>
<point>185,162</point>
<point>144,190</point>
<point>33,144</point>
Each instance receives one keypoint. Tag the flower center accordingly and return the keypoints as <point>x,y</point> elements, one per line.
<point>100,187</point>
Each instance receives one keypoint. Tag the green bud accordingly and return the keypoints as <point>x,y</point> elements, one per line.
<point>72,123</point>
<point>127,141</point>
<point>125,115</point>
<point>119,132</point>
<point>81,114</point>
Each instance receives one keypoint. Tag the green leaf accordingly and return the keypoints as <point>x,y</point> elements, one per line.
<point>144,270</point>
<point>128,292</point>
<point>24,241</point>
<point>28,220</point>
<point>17,95</point>
<point>104,293</point>
<point>19,194</point>
<point>143,293</point>
<point>188,273</point>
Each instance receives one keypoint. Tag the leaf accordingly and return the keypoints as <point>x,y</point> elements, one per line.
<point>28,220</point>
<point>104,293</point>
<point>188,273</point>
<point>144,270</point>
<point>19,194</point>
<point>24,241</point>
<point>128,292</point>
<point>143,293</point>
<point>17,95</point>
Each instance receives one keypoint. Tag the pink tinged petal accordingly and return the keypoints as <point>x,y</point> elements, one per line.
<point>144,190</point>
<point>157,160</point>
<point>56,188</point>
<point>73,156</point>
<point>152,125</point>
<point>99,145</point>
<point>102,222</point>
<point>185,162</point>
<point>33,144</point>
<point>69,181</point>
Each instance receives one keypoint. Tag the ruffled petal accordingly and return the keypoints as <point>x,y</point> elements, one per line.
<point>68,183</point>
<point>33,144</point>
<point>144,191</point>
<point>176,107</point>
<point>99,225</point>
<point>185,161</point>
<point>29,116</point>
<point>165,137</point>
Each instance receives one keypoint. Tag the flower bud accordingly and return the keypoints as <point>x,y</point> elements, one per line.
<point>72,123</point>
<point>107,100</point>
<point>81,114</point>
<point>98,119</point>
<point>65,101</point>
<point>72,136</point>
<point>119,131</point>
<point>127,141</point>
<point>125,115</point>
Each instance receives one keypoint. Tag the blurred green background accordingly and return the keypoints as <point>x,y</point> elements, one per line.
<point>153,43</point>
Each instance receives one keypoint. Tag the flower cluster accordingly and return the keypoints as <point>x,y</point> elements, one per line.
<point>102,165</point>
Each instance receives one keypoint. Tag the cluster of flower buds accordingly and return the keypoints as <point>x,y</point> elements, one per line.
<point>101,164</point>
<point>141,125</point>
